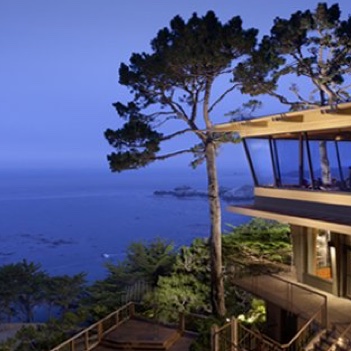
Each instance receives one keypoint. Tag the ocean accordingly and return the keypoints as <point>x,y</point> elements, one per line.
<point>72,221</point>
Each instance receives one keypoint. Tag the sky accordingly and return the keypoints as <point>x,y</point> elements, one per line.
<point>59,63</point>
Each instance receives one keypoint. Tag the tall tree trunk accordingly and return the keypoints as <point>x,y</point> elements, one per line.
<point>217,284</point>
<point>323,153</point>
<point>325,165</point>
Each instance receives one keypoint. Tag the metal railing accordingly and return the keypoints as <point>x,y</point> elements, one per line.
<point>254,278</point>
<point>342,337</point>
<point>234,336</point>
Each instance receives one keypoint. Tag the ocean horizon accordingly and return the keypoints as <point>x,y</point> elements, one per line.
<point>72,221</point>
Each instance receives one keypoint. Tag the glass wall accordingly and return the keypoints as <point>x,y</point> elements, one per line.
<point>344,150</point>
<point>301,162</point>
<point>333,174</point>
<point>259,152</point>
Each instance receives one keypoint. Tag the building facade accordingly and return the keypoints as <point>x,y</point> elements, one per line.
<point>301,168</point>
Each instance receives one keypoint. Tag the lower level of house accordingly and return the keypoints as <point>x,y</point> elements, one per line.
<point>322,259</point>
<point>320,230</point>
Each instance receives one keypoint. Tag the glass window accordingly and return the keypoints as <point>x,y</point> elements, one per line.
<point>261,160</point>
<point>277,163</point>
<point>288,159</point>
<point>333,153</point>
<point>319,254</point>
<point>344,148</point>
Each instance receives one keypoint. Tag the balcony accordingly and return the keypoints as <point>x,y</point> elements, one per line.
<point>302,207</point>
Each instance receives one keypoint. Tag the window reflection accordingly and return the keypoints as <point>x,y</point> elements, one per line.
<point>296,162</point>
<point>259,151</point>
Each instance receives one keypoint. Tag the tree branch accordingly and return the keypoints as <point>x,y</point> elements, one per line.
<point>177,108</point>
<point>180,132</point>
<point>161,123</point>
<point>295,91</point>
<point>163,113</point>
<point>172,154</point>
<point>181,114</point>
<point>222,97</point>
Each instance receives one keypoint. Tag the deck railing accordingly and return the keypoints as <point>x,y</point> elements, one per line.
<point>193,322</point>
<point>90,337</point>
<point>343,338</point>
<point>248,277</point>
<point>234,336</point>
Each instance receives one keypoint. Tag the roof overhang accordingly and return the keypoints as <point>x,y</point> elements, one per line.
<point>320,123</point>
<point>286,217</point>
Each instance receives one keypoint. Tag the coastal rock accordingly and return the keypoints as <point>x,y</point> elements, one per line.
<point>244,192</point>
<point>182,191</point>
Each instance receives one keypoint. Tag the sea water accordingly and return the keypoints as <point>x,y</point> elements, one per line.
<point>74,221</point>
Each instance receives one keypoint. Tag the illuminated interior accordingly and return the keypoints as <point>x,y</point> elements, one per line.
<point>319,260</point>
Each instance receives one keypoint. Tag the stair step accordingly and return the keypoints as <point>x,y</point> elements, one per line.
<point>329,340</point>
<point>318,347</point>
<point>142,345</point>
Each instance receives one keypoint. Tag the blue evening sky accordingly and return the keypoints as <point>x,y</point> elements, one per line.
<point>59,61</point>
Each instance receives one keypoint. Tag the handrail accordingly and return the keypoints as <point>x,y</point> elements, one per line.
<point>302,287</point>
<point>348,328</point>
<point>224,326</point>
<point>323,306</point>
<point>306,325</point>
<point>270,343</point>
<point>99,326</point>
<point>245,269</point>
<point>92,335</point>
<point>263,337</point>
<point>340,337</point>
<point>295,338</point>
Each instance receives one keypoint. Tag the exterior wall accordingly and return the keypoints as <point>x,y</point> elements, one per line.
<point>340,243</point>
<point>302,250</point>
<point>299,243</point>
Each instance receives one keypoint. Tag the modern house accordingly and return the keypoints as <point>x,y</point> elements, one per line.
<point>301,167</point>
<point>300,163</point>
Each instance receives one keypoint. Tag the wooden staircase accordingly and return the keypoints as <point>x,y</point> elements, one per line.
<point>332,340</point>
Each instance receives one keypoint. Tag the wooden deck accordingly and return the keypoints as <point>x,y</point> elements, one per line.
<point>138,334</point>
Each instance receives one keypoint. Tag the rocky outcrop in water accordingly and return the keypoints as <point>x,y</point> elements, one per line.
<point>242,193</point>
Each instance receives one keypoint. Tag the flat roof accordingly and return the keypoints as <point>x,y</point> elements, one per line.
<point>324,123</point>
